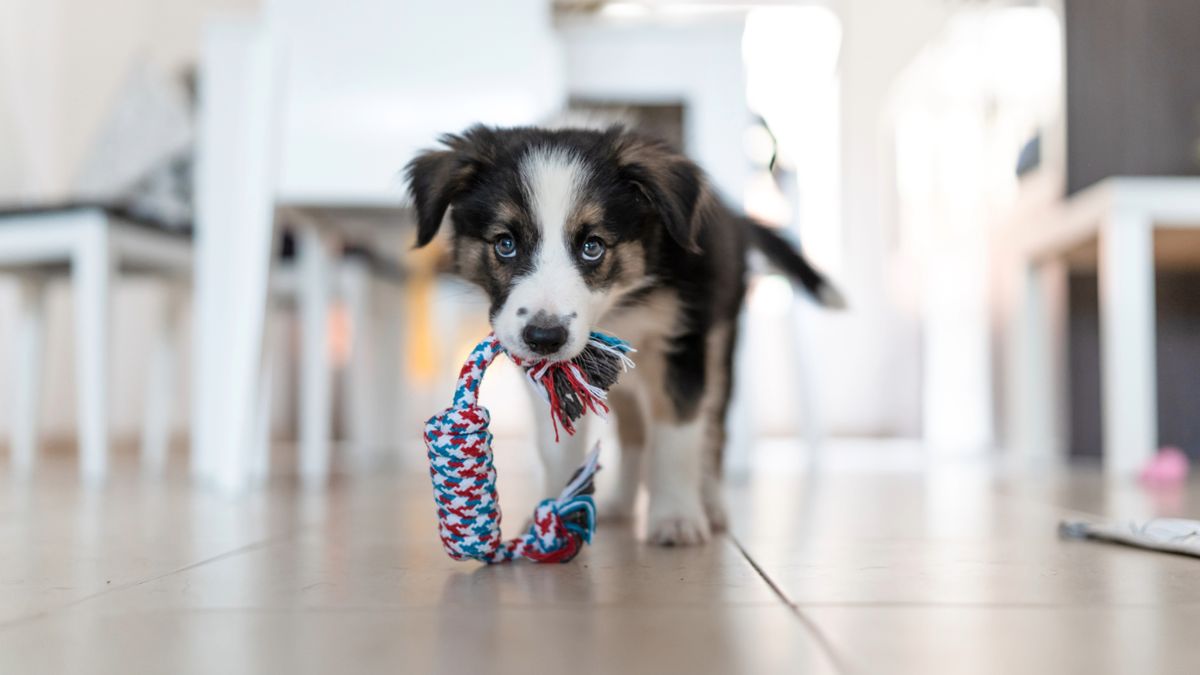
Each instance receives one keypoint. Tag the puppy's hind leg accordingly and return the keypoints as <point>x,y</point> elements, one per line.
<point>686,503</point>
<point>723,343</point>
<point>711,493</point>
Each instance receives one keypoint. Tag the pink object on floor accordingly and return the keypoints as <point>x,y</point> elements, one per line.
<point>1169,466</point>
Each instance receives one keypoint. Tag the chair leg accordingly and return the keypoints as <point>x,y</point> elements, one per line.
<point>360,402</point>
<point>316,400</point>
<point>259,463</point>
<point>161,386</point>
<point>28,371</point>
<point>92,272</point>
<point>389,372</point>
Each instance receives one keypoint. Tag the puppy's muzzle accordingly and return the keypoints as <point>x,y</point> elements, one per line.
<point>545,334</point>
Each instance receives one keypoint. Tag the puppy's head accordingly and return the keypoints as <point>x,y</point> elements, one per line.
<point>558,227</point>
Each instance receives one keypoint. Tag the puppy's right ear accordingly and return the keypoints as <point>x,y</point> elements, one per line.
<point>436,177</point>
<point>433,180</point>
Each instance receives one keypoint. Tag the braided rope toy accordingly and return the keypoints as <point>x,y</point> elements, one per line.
<point>464,476</point>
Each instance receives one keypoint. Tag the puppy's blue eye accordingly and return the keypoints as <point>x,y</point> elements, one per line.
<point>593,249</point>
<point>506,247</point>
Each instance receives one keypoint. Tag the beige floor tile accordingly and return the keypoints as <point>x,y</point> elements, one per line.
<point>496,640</point>
<point>1087,490</point>
<point>1034,571</point>
<point>60,544</point>
<point>162,579</point>
<point>1007,640</point>
<point>939,504</point>
<point>942,569</point>
<point>324,570</point>
<point>949,537</point>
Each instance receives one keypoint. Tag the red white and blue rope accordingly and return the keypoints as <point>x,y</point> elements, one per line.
<point>464,476</point>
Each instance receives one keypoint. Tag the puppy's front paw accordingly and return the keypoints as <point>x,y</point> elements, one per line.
<point>671,524</point>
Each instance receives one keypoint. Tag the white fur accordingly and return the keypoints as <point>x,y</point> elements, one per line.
<point>676,464</point>
<point>562,457</point>
<point>553,181</point>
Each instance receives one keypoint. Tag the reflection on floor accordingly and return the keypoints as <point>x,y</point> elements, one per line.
<point>863,566</point>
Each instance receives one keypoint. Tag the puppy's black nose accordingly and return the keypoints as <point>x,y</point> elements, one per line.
<point>545,338</point>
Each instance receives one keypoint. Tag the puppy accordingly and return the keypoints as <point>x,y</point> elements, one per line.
<point>575,230</point>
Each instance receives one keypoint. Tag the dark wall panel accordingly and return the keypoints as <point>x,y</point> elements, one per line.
<point>1083,357</point>
<point>1178,344</point>
<point>1133,88</point>
<point>1177,294</point>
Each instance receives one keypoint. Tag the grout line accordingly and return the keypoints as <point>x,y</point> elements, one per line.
<point>262,543</point>
<point>822,640</point>
<point>1001,606</point>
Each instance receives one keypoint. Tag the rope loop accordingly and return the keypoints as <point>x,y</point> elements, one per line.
<point>459,445</point>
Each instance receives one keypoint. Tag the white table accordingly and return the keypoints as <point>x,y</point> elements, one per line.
<point>1121,215</point>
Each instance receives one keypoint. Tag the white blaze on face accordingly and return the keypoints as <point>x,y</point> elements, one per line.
<point>553,182</point>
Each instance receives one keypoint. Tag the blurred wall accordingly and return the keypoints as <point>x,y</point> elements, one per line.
<point>698,64</point>
<point>866,362</point>
<point>61,63</point>
<point>870,356</point>
<point>368,83</point>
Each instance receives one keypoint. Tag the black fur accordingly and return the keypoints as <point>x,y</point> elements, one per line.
<point>785,257</point>
<point>654,201</point>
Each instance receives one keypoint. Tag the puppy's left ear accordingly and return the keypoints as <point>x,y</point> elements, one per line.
<point>672,184</point>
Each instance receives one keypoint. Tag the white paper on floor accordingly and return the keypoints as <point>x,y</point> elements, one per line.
<point>1173,535</point>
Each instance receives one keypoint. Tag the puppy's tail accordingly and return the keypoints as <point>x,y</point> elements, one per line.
<point>784,256</point>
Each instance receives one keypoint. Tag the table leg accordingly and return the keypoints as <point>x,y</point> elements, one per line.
<point>1039,402</point>
<point>1127,342</point>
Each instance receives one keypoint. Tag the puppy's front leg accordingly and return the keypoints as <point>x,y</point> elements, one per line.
<point>560,458</point>
<point>676,515</point>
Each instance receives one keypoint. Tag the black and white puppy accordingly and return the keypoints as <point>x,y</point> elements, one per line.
<point>570,231</point>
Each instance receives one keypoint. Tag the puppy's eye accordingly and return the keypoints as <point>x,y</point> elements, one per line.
<point>593,249</point>
<point>506,247</point>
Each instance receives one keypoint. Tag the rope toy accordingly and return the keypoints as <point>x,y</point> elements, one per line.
<point>464,476</point>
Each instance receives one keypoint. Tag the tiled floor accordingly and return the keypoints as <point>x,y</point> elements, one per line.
<point>854,568</point>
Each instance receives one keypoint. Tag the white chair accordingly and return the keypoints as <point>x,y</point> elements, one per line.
<point>365,286</point>
<point>96,247</point>
<point>307,106</point>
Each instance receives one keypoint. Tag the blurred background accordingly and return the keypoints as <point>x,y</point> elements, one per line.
<point>206,252</point>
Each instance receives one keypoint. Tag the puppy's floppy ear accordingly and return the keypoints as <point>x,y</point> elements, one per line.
<point>436,177</point>
<point>672,184</point>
